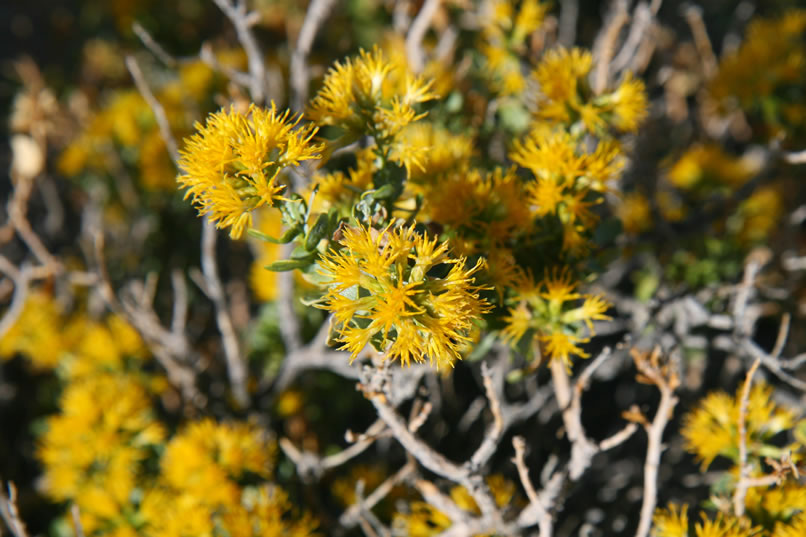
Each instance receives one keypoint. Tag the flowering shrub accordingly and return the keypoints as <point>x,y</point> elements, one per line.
<point>489,215</point>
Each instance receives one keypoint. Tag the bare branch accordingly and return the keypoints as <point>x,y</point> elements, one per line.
<point>606,44</point>
<point>414,39</point>
<point>582,448</point>
<point>241,20</point>
<point>348,518</point>
<point>9,512</point>
<point>493,434</point>
<point>311,465</point>
<point>693,14</point>
<point>744,468</point>
<point>76,515</point>
<point>289,322</point>
<point>544,518</point>
<point>666,379</point>
<point>20,278</point>
<point>156,108</point>
<point>236,366</point>
<point>315,16</point>
<point>151,44</point>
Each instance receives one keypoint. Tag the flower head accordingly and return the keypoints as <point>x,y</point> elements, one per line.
<point>402,292</point>
<point>711,429</point>
<point>670,522</point>
<point>552,311</point>
<point>231,165</point>
<point>370,90</point>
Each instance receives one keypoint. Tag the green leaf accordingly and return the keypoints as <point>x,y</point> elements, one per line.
<point>287,237</point>
<point>284,265</point>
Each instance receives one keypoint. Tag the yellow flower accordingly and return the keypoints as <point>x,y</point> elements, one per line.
<point>369,92</point>
<point>561,71</point>
<point>707,165</point>
<point>485,206</point>
<point>561,346</point>
<point>207,459</point>
<point>711,429</point>
<point>37,332</point>
<point>231,165</point>
<point>558,155</point>
<point>670,522</point>
<point>796,527</point>
<point>100,346</point>
<point>760,214</point>
<point>440,150</point>
<point>725,526</point>
<point>266,511</point>
<point>774,44</point>
<point>629,104</point>
<point>381,290</point>
<point>566,98</point>
<point>635,213</point>
<point>92,451</point>
<point>776,503</point>
<point>551,312</point>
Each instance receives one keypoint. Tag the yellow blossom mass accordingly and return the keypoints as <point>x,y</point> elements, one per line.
<point>402,292</point>
<point>232,164</point>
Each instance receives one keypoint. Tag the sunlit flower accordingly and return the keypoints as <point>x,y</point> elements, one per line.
<point>725,526</point>
<point>670,522</point>
<point>629,104</point>
<point>708,166</point>
<point>37,332</point>
<point>207,459</point>
<point>711,429</point>
<point>381,290</point>
<point>231,165</point>
<point>93,449</point>
<point>363,90</point>
<point>550,311</point>
<point>557,155</point>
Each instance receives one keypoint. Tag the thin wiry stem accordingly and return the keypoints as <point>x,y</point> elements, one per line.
<point>744,468</point>
<point>236,366</point>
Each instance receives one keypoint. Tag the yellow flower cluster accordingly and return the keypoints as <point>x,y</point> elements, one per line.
<point>711,429</point>
<point>370,95</point>
<point>568,180</point>
<point>565,96</point>
<point>504,33</point>
<point>232,164</point>
<point>777,45</point>
<point>93,449</point>
<point>551,312</point>
<point>482,208</point>
<point>673,522</point>
<point>401,292</point>
<point>37,332</point>
<point>708,166</point>
<point>199,490</point>
<point>79,345</point>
